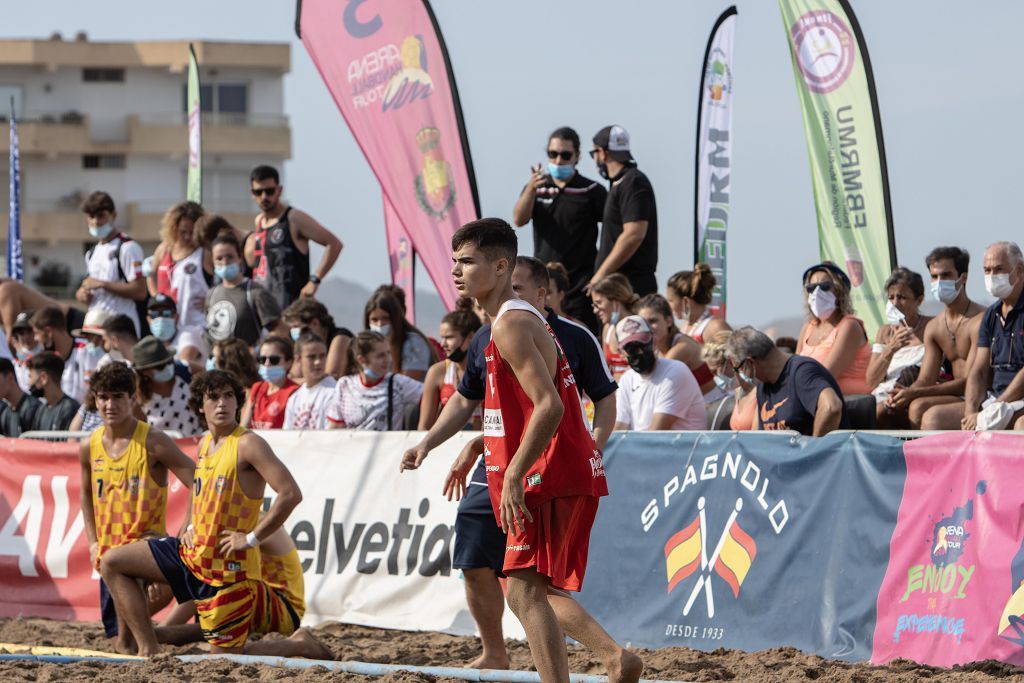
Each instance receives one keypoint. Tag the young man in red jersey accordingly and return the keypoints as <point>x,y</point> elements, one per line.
<point>544,472</point>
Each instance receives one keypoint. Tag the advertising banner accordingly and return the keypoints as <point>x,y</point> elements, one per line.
<point>194,183</point>
<point>714,155</point>
<point>836,88</point>
<point>744,540</point>
<point>387,68</point>
<point>402,258</point>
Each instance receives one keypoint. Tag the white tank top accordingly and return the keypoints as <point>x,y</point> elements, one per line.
<point>188,281</point>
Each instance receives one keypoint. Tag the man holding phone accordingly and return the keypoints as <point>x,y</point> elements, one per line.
<point>565,208</point>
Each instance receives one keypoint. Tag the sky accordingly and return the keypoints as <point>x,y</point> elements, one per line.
<point>950,116</point>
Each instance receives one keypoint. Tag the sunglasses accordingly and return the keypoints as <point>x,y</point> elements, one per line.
<point>272,360</point>
<point>260,191</point>
<point>564,156</point>
<point>162,313</point>
<point>736,368</point>
<point>826,286</point>
<point>593,153</point>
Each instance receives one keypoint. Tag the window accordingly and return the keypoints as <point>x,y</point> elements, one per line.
<point>106,161</point>
<point>220,98</point>
<point>98,75</point>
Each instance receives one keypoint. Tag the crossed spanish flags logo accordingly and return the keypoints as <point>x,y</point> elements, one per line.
<point>686,553</point>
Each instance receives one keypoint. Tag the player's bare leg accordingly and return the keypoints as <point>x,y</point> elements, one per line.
<point>623,666</point>
<point>528,598</point>
<point>302,643</point>
<point>487,603</point>
<point>121,568</point>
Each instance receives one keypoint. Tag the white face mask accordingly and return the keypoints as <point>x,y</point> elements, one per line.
<point>894,315</point>
<point>822,303</point>
<point>945,291</point>
<point>998,285</point>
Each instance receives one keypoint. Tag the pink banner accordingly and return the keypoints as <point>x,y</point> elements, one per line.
<point>402,257</point>
<point>954,589</point>
<point>386,67</point>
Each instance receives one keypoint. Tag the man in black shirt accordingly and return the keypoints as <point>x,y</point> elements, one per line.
<point>57,409</point>
<point>629,236</point>
<point>796,392</point>
<point>17,409</point>
<point>565,208</point>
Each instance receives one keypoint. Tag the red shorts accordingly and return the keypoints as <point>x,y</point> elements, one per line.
<point>556,542</point>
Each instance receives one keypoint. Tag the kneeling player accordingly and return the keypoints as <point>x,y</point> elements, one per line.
<point>216,562</point>
<point>124,482</point>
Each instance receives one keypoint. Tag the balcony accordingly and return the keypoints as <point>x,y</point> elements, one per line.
<point>67,133</point>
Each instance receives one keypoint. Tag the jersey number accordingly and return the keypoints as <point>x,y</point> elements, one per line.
<point>199,485</point>
<point>99,488</point>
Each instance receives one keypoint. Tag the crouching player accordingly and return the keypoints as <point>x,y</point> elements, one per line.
<point>124,484</point>
<point>216,562</point>
<point>281,570</point>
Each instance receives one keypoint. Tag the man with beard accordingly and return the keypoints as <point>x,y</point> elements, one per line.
<point>278,251</point>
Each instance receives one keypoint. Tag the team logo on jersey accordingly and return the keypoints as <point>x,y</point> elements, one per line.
<point>134,484</point>
<point>533,479</point>
<point>190,268</point>
<point>493,425</point>
<point>277,236</point>
<point>234,566</point>
<point>222,481</point>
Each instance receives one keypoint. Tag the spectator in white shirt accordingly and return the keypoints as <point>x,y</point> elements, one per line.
<point>307,407</point>
<point>655,393</point>
<point>373,398</point>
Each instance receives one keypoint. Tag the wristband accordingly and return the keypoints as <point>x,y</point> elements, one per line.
<point>251,539</point>
<point>190,527</point>
<point>314,279</point>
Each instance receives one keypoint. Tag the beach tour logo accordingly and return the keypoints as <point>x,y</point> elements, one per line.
<point>825,49</point>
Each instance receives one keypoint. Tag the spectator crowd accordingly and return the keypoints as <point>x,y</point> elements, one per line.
<point>217,296</point>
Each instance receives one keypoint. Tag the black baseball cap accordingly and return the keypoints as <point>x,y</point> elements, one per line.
<point>830,267</point>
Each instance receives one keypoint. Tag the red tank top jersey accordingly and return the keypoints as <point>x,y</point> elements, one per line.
<point>450,382</point>
<point>570,465</point>
<point>268,409</point>
<point>163,275</point>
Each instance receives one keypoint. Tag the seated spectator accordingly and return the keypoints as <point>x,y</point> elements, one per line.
<point>91,332</point>
<point>264,408</point>
<point>950,340</point>
<point>119,338</point>
<point>18,409</point>
<point>898,350</point>
<point>307,406</point>
<point>237,307</point>
<point>655,393</point>
<point>831,335</point>
<point>689,295</point>
<point>309,315</point>
<point>57,409</point>
<point>795,392</point>
<point>385,315</point>
<point>996,370</point>
<point>51,329</point>
<point>613,299</point>
<point>744,395</point>
<point>187,342</point>
<point>23,345</point>
<point>558,285</point>
<point>88,417</point>
<point>443,378</point>
<point>670,343</point>
<point>374,398</point>
<point>787,344</point>
<point>234,357</point>
<point>163,392</point>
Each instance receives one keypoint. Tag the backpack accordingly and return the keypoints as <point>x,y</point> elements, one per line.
<point>140,306</point>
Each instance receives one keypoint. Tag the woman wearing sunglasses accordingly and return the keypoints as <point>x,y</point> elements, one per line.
<point>832,335</point>
<point>268,397</point>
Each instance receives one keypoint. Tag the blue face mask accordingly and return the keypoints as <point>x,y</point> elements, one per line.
<point>164,374</point>
<point>945,291</point>
<point>228,272</point>
<point>210,364</point>
<point>747,379</point>
<point>94,351</point>
<point>25,354</point>
<point>614,318</point>
<point>162,328</point>
<point>370,374</point>
<point>272,373</point>
<point>296,332</point>
<point>560,172</point>
<point>101,232</point>
<point>382,330</point>
<point>726,384</point>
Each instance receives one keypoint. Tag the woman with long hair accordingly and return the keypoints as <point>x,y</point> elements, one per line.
<point>832,335</point>
<point>182,269</point>
<point>234,356</point>
<point>309,315</point>
<point>456,331</point>
<point>613,299</point>
<point>265,404</point>
<point>411,353</point>
<point>373,398</point>
<point>689,294</point>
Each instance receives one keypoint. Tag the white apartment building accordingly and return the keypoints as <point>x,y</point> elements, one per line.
<point>111,116</point>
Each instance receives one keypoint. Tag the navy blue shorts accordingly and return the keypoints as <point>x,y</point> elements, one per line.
<point>107,612</point>
<point>479,541</point>
<point>184,584</point>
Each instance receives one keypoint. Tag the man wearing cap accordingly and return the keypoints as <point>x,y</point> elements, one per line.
<point>24,345</point>
<point>656,393</point>
<point>793,392</point>
<point>191,349</point>
<point>91,332</point>
<point>164,390</point>
<point>629,236</point>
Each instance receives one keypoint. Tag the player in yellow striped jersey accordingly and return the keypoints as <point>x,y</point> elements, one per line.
<point>124,480</point>
<point>216,561</point>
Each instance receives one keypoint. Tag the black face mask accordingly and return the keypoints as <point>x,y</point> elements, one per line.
<point>38,392</point>
<point>457,355</point>
<point>642,360</point>
<point>602,169</point>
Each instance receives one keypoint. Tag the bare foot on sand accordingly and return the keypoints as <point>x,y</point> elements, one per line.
<point>489,661</point>
<point>309,646</point>
<point>626,669</point>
